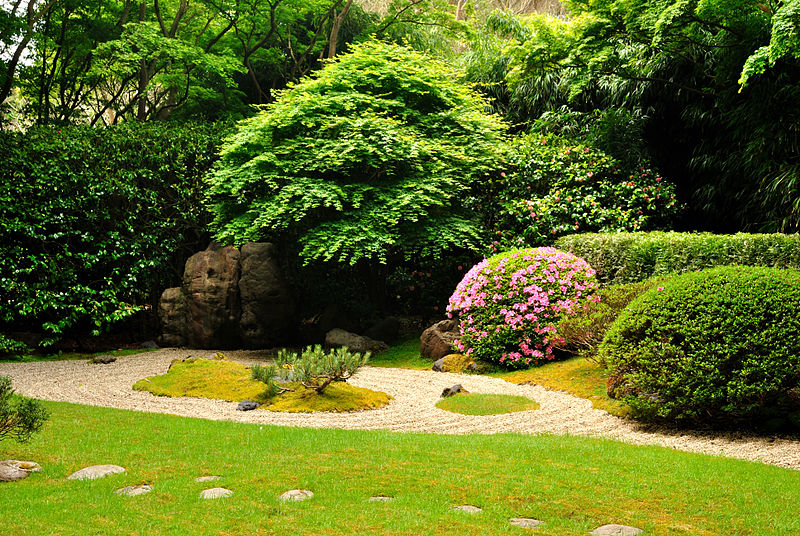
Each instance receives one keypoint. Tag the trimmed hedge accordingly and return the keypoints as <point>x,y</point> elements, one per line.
<point>96,222</point>
<point>629,257</point>
<point>715,346</point>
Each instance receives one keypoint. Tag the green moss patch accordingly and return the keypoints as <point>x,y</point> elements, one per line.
<point>226,380</point>
<point>338,396</point>
<point>486,404</point>
<point>205,378</point>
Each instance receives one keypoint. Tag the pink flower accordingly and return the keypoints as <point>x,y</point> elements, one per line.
<point>660,288</point>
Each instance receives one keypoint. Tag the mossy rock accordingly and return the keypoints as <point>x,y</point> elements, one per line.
<point>228,380</point>
<point>458,363</point>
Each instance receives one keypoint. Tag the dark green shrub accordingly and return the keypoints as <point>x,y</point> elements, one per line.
<point>20,417</point>
<point>711,346</point>
<point>583,332</point>
<point>627,257</point>
<point>559,187</point>
<point>96,222</point>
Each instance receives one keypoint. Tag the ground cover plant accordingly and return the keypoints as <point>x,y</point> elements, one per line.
<point>228,380</point>
<point>486,404</point>
<point>717,346</point>
<point>572,483</point>
<point>508,305</point>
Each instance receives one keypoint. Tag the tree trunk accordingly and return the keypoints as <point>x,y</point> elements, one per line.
<point>337,24</point>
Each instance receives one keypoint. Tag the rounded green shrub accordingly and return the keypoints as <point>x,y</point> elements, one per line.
<point>508,305</point>
<point>714,346</point>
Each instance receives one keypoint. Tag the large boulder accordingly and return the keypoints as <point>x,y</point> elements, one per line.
<point>337,338</point>
<point>437,341</point>
<point>266,306</point>
<point>228,299</point>
<point>210,281</point>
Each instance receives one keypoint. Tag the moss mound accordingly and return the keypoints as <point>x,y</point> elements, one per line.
<point>456,363</point>
<point>205,378</point>
<point>338,396</point>
<point>483,404</point>
<point>226,380</point>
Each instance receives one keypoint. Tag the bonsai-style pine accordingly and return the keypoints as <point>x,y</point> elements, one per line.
<point>20,418</point>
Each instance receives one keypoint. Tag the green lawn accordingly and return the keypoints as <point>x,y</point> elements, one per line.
<point>574,484</point>
<point>60,356</point>
<point>404,354</point>
<point>486,404</point>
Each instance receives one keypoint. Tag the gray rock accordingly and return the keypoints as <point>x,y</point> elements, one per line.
<point>207,478</point>
<point>337,338</point>
<point>468,508</point>
<point>438,365</point>
<point>526,522</point>
<point>172,314</point>
<point>381,498</point>
<point>247,405</point>
<point>13,470</point>
<point>616,530</point>
<point>133,491</point>
<point>215,493</point>
<point>149,345</point>
<point>437,341</point>
<point>102,359</point>
<point>296,495</point>
<point>267,308</point>
<point>454,390</point>
<point>96,471</point>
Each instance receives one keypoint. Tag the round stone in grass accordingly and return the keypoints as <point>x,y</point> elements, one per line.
<point>468,508</point>
<point>96,471</point>
<point>616,530</point>
<point>381,498</point>
<point>133,491</point>
<point>207,478</point>
<point>215,493</point>
<point>296,495</point>
<point>526,522</point>
<point>486,404</point>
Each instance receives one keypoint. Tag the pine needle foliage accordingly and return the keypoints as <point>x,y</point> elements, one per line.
<point>316,368</point>
<point>20,418</point>
<point>371,157</point>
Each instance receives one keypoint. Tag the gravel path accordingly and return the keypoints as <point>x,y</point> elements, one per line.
<point>415,392</point>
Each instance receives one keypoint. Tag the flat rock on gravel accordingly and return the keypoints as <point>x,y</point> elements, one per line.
<point>133,491</point>
<point>413,408</point>
<point>96,471</point>
<point>616,530</point>
<point>215,493</point>
<point>296,495</point>
<point>526,522</point>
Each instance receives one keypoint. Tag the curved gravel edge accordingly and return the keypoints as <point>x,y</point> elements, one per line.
<point>413,409</point>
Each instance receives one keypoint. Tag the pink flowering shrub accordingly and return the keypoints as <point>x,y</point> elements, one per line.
<point>508,305</point>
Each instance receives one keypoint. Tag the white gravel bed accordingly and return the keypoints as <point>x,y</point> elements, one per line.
<point>413,409</point>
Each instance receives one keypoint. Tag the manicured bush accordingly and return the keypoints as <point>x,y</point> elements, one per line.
<point>316,368</point>
<point>96,222</point>
<point>711,346</point>
<point>508,305</point>
<point>582,332</point>
<point>559,187</point>
<point>627,257</point>
<point>20,417</point>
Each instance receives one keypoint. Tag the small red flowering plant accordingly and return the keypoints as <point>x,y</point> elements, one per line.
<point>508,305</point>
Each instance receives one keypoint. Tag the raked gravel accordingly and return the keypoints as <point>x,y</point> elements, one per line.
<point>413,409</point>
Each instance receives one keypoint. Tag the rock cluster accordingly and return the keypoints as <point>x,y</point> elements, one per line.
<point>228,299</point>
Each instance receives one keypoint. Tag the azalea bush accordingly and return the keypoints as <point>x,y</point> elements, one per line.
<point>508,305</point>
<point>558,187</point>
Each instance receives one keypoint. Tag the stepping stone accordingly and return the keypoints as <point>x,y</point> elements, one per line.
<point>13,470</point>
<point>526,522</point>
<point>381,498</point>
<point>133,491</point>
<point>468,508</point>
<point>96,471</point>
<point>616,530</point>
<point>296,495</point>
<point>207,478</point>
<point>215,493</point>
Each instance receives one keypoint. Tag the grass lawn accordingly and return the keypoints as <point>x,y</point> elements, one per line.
<point>573,484</point>
<point>403,354</point>
<point>486,404</point>
<point>60,356</point>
